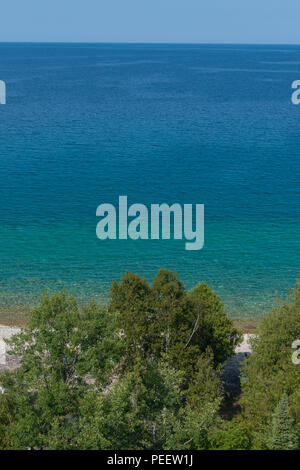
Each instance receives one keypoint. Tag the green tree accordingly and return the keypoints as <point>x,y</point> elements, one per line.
<point>232,435</point>
<point>62,350</point>
<point>143,373</point>
<point>270,371</point>
<point>134,411</point>
<point>163,319</point>
<point>212,326</point>
<point>281,434</point>
<point>191,428</point>
<point>206,385</point>
<point>146,408</point>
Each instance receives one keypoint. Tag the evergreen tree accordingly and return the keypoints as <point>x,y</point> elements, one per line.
<point>213,327</point>
<point>281,435</point>
<point>163,319</point>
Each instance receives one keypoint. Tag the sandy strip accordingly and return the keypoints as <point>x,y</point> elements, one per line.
<point>7,362</point>
<point>244,346</point>
<point>231,367</point>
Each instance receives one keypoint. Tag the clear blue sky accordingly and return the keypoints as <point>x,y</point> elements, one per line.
<point>197,21</point>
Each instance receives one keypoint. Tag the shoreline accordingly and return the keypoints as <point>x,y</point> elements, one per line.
<point>17,317</point>
<point>231,372</point>
<point>245,325</point>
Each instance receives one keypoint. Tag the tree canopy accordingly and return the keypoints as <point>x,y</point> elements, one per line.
<point>144,372</point>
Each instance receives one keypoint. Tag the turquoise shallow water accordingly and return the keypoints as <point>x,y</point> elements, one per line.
<point>84,124</point>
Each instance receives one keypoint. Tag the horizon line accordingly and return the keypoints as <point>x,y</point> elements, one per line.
<point>157,43</point>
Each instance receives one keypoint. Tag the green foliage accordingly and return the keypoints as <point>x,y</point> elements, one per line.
<point>234,435</point>
<point>59,348</point>
<point>145,372</point>
<point>135,376</point>
<point>270,372</point>
<point>144,409</point>
<point>141,374</point>
<point>191,428</point>
<point>163,319</point>
<point>213,326</point>
<point>154,319</point>
<point>7,417</point>
<point>206,385</point>
<point>133,413</point>
<point>281,433</point>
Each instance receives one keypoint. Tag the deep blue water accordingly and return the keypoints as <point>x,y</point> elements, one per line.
<point>208,124</point>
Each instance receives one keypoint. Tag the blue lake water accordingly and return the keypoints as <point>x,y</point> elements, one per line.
<point>85,123</point>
